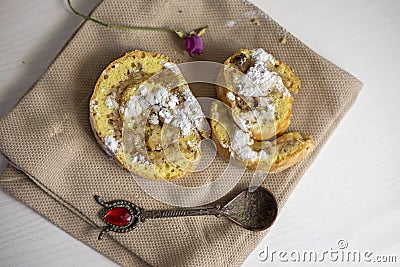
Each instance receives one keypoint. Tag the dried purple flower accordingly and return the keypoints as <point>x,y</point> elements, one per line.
<point>194,45</point>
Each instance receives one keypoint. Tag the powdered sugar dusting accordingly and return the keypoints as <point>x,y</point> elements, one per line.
<point>163,100</point>
<point>194,111</point>
<point>135,107</point>
<point>155,103</point>
<point>172,66</point>
<point>254,119</point>
<point>138,158</point>
<point>241,146</point>
<point>153,119</point>
<point>111,143</point>
<point>260,56</point>
<point>230,96</point>
<point>181,111</point>
<point>259,80</point>
<point>111,102</point>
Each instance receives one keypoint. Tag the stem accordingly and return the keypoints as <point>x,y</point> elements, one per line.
<point>154,214</point>
<point>117,26</point>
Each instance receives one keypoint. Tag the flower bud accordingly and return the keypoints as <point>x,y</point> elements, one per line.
<point>193,45</point>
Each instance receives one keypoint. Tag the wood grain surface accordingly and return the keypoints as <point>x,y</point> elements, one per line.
<point>350,192</point>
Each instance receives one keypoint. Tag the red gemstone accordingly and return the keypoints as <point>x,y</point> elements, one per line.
<point>118,216</point>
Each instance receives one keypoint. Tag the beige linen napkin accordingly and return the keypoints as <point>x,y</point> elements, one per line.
<point>49,139</point>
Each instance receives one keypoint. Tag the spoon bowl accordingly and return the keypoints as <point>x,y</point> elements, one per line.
<point>253,211</point>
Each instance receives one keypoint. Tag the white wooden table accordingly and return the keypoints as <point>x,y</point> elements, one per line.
<point>352,190</point>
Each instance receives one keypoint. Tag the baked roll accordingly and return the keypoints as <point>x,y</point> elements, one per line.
<point>145,116</point>
<point>259,90</point>
<point>256,91</point>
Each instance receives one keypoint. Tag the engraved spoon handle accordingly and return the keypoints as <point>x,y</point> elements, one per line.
<point>154,214</point>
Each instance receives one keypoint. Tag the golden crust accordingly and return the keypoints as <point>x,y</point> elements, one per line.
<point>290,149</point>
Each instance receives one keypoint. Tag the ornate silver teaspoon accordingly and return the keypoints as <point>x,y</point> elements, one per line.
<point>253,211</point>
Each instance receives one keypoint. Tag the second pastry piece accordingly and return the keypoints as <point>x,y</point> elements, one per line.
<point>257,92</point>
